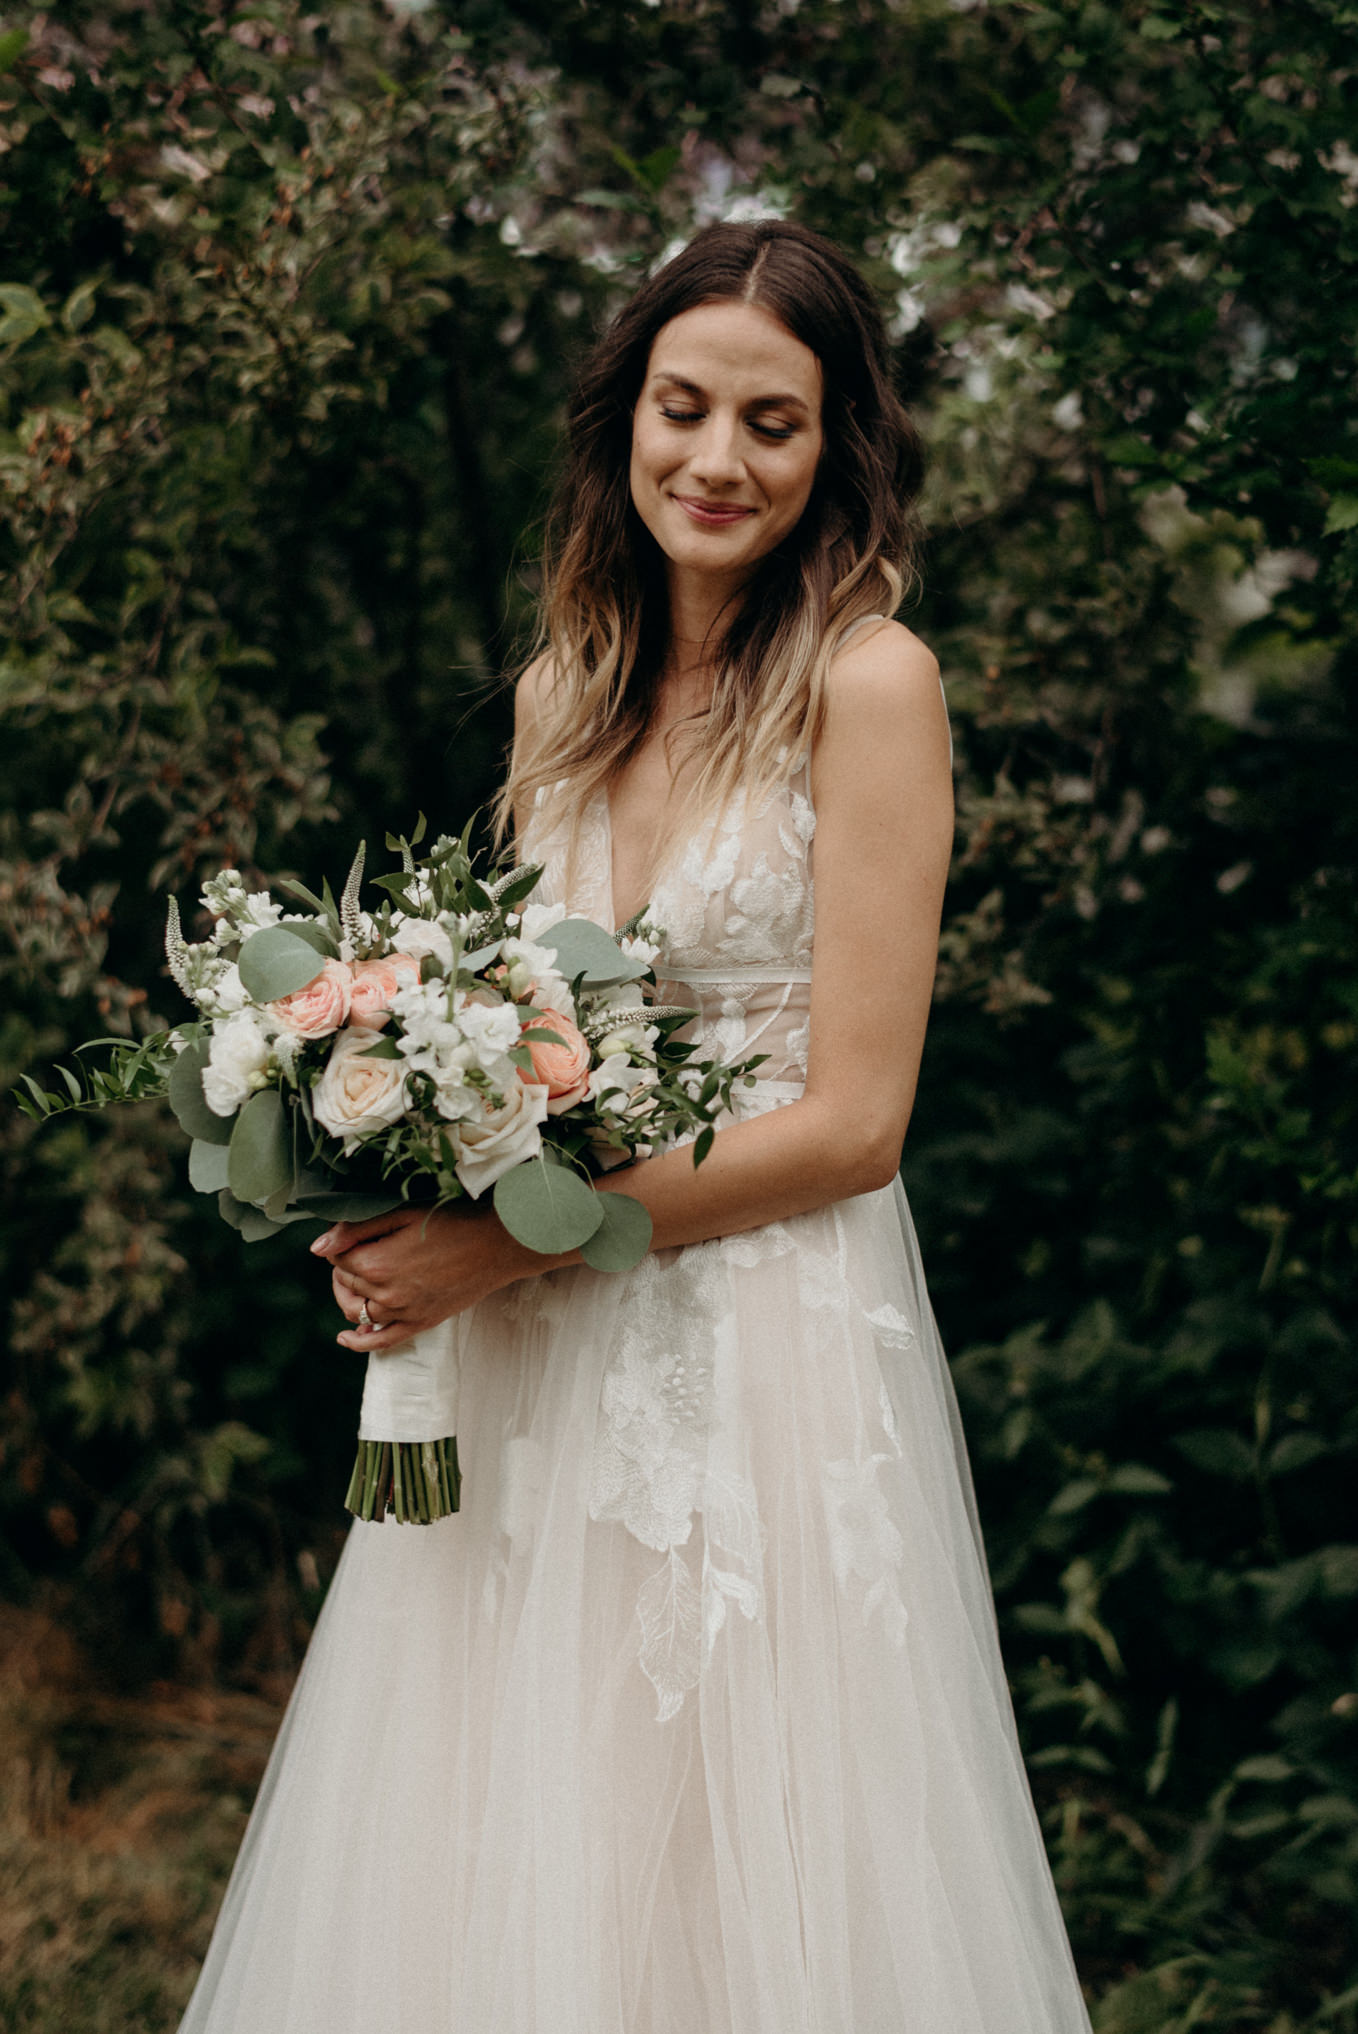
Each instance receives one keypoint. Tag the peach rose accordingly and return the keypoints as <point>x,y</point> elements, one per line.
<point>562,1069</point>
<point>321,1007</point>
<point>375,982</point>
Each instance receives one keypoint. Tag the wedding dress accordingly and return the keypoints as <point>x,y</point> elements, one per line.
<point>692,1720</point>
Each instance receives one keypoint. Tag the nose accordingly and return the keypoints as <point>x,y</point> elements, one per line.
<point>716,459</point>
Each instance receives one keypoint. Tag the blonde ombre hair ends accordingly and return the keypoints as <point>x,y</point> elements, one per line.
<point>604,618</point>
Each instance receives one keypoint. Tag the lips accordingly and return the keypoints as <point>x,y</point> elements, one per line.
<point>713,515</point>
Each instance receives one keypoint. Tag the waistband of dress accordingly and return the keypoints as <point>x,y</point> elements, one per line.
<point>771,1091</point>
<point>703,978</point>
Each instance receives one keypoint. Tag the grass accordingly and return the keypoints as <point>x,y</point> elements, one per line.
<point>119,1820</point>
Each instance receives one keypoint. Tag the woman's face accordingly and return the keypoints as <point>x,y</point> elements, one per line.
<point>726,439</point>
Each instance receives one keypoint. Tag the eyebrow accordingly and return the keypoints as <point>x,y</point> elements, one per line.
<point>765,402</point>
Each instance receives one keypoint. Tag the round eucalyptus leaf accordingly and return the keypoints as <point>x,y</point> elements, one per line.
<point>584,948</point>
<point>208,1164</point>
<point>255,1225</point>
<point>185,1091</point>
<point>622,1238</point>
<point>549,1208</point>
<point>281,959</point>
<point>260,1161</point>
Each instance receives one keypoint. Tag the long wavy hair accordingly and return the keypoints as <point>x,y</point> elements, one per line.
<point>604,622</point>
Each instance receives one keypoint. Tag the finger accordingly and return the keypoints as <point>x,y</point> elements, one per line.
<point>389,1336</point>
<point>345,1280</point>
<point>344,1235</point>
<point>350,1304</point>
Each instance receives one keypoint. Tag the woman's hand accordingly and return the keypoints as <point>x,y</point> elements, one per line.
<point>416,1266</point>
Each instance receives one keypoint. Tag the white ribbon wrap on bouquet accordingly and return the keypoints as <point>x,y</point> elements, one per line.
<point>410,1392</point>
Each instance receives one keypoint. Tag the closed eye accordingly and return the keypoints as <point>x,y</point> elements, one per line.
<point>775,432</point>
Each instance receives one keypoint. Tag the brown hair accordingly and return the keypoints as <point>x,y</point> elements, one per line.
<point>605,619</point>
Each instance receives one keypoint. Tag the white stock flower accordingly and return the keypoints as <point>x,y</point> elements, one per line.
<point>628,1040</point>
<point>448,1046</point>
<point>490,1029</point>
<point>357,1093</point>
<point>238,1057</point>
<point>501,1138</point>
<point>637,948</point>
<point>258,910</point>
<point>534,967</point>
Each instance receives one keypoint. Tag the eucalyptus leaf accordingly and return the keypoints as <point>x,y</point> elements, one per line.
<point>623,1236</point>
<point>185,1091</point>
<point>256,1226</point>
<point>549,1208</point>
<point>261,1149</point>
<point>208,1165</point>
<point>281,959</point>
<point>583,948</point>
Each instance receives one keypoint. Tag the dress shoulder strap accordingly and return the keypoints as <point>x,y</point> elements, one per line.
<point>863,619</point>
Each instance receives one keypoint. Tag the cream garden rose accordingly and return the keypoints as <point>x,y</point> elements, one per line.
<point>492,1144</point>
<point>357,1094</point>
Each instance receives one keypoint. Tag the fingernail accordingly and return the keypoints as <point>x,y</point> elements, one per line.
<point>323,1243</point>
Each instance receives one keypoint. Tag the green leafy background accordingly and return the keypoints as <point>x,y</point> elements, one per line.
<point>288,305</point>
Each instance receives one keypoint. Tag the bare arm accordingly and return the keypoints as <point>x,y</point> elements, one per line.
<point>882,789</point>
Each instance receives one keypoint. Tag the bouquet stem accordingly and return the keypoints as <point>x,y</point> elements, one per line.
<point>417,1480</point>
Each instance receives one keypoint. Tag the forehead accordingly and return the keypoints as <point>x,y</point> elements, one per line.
<point>736,349</point>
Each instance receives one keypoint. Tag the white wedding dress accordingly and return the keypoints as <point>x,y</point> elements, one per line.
<point>692,1720</point>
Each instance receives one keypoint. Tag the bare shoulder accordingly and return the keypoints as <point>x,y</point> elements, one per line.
<point>887,659</point>
<point>883,687</point>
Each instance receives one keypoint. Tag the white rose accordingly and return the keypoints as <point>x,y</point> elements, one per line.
<point>357,1094</point>
<point>501,1139</point>
<point>419,936</point>
<point>237,1059</point>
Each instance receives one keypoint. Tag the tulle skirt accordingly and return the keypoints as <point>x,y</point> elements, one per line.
<point>692,1720</point>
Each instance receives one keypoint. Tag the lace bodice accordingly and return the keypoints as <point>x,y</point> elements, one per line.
<point>736,903</point>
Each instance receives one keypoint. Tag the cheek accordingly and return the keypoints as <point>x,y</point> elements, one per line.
<point>794,491</point>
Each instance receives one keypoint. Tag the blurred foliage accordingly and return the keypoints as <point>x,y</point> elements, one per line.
<point>287,309</point>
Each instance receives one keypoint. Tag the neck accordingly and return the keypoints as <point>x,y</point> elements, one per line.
<point>700,604</point>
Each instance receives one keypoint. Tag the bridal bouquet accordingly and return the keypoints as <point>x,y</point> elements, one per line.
<point>459,1039</point>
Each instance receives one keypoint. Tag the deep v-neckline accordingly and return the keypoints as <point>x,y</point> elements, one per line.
<point>615,923</point>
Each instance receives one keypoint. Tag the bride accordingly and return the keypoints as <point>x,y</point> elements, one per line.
<point>692,1720</point>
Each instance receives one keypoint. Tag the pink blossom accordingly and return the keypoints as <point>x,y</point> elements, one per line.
<point>321,1007</point>
<point>562,1069</point>
<point>374,984</point>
